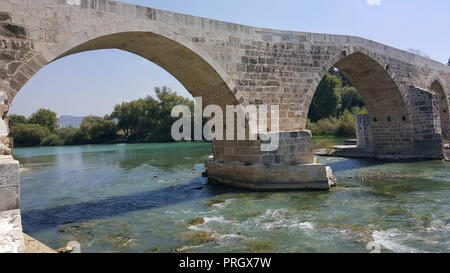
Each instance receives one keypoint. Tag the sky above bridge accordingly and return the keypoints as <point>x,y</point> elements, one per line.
<point>93,82</point>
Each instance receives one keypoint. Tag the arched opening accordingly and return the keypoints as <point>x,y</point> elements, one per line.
<point>444,114</point>
<point>384,129</point>
<point>199,77</point>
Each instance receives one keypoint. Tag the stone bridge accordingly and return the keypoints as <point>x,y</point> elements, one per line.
<point>407,96</point>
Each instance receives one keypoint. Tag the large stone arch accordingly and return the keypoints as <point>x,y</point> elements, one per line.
<point>191,65</point>
<point>389,117</point>
<point>437,88</point>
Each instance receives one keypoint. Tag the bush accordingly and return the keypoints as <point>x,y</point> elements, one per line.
<point>342,126</point>
<point>346,124</point>
<point>14,120</point>
<point>326,126</point>
<point>71,136</point>
<point>97,129</point>
<point>45,118</point>
<point>28,134</point>
<point>323,143</point>
<point>52,140</point>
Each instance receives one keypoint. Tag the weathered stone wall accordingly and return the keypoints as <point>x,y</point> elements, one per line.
<point>424,107</point>
<point>9,183</point>
<point>363,131</point>
<point>444,113</point>
<point>15,49</point>
<point>293,148</point>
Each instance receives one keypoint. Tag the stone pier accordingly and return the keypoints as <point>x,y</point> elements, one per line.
<point>290,167</point>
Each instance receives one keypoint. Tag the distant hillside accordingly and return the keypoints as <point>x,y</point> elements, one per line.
<point>69,121</point>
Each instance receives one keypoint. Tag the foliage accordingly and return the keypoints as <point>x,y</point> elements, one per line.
<point>16,119</point>
<point>346,124</point>
<point>71,136</point>
<point>31,132</point>
<point>324,143</point>
<point>28,134</point>
<point>52,140</point>
<point>335,72</point>
<point>325,101</point>
<point>98,129</point>
<point>333,106</point>
<point>349,98</point>
<point>45,118</point>
<point>167,100</point>
<point>342,126</point>
<point>146,119</point>
<point>149,119</point>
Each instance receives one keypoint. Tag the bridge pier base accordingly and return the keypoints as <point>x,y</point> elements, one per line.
<point>272,177</point>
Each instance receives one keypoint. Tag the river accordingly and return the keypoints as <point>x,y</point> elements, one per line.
<point>153,198</point>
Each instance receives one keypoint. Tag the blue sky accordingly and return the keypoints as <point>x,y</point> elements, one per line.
<point>93,82</point>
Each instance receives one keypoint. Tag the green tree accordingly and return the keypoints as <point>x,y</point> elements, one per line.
<point>325,101</point>
<point>149,119</point>
<point>349,98</point>
<point>71,136</point>
<point>344,80</point>
<point>28,134</point>
<point>128,115</point>
<point>16,119</point>
<point>167,100</point>
<point>52,140</point>
<point>97,129</point>
<point>45,118</point>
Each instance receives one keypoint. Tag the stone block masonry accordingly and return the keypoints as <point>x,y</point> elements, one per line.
<point>364,131</point>
<point>9,183</point>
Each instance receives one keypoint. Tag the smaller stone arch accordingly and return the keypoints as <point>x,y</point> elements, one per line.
<point>389,117</point>
<point>437,88</point>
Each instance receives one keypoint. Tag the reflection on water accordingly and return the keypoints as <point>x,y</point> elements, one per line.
<point>152,198</point>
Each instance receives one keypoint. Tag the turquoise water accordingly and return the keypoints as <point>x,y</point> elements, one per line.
<point>152,198</point>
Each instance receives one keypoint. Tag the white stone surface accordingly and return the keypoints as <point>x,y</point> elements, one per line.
<point>74,2</point>
<point>11,236</point>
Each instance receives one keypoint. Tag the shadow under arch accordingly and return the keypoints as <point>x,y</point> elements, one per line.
<point>389,118</point>
<point>444,115</point>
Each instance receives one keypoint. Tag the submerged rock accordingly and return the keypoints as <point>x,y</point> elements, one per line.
<point>214,202</point>
<point>120,240</point>
<point>152,250</point>
<point>196,221</point>
<point>394,210</point>
<point>69,228</point>
<point>305,207</point>
<point>196,237</point>
<point>259,246</point>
